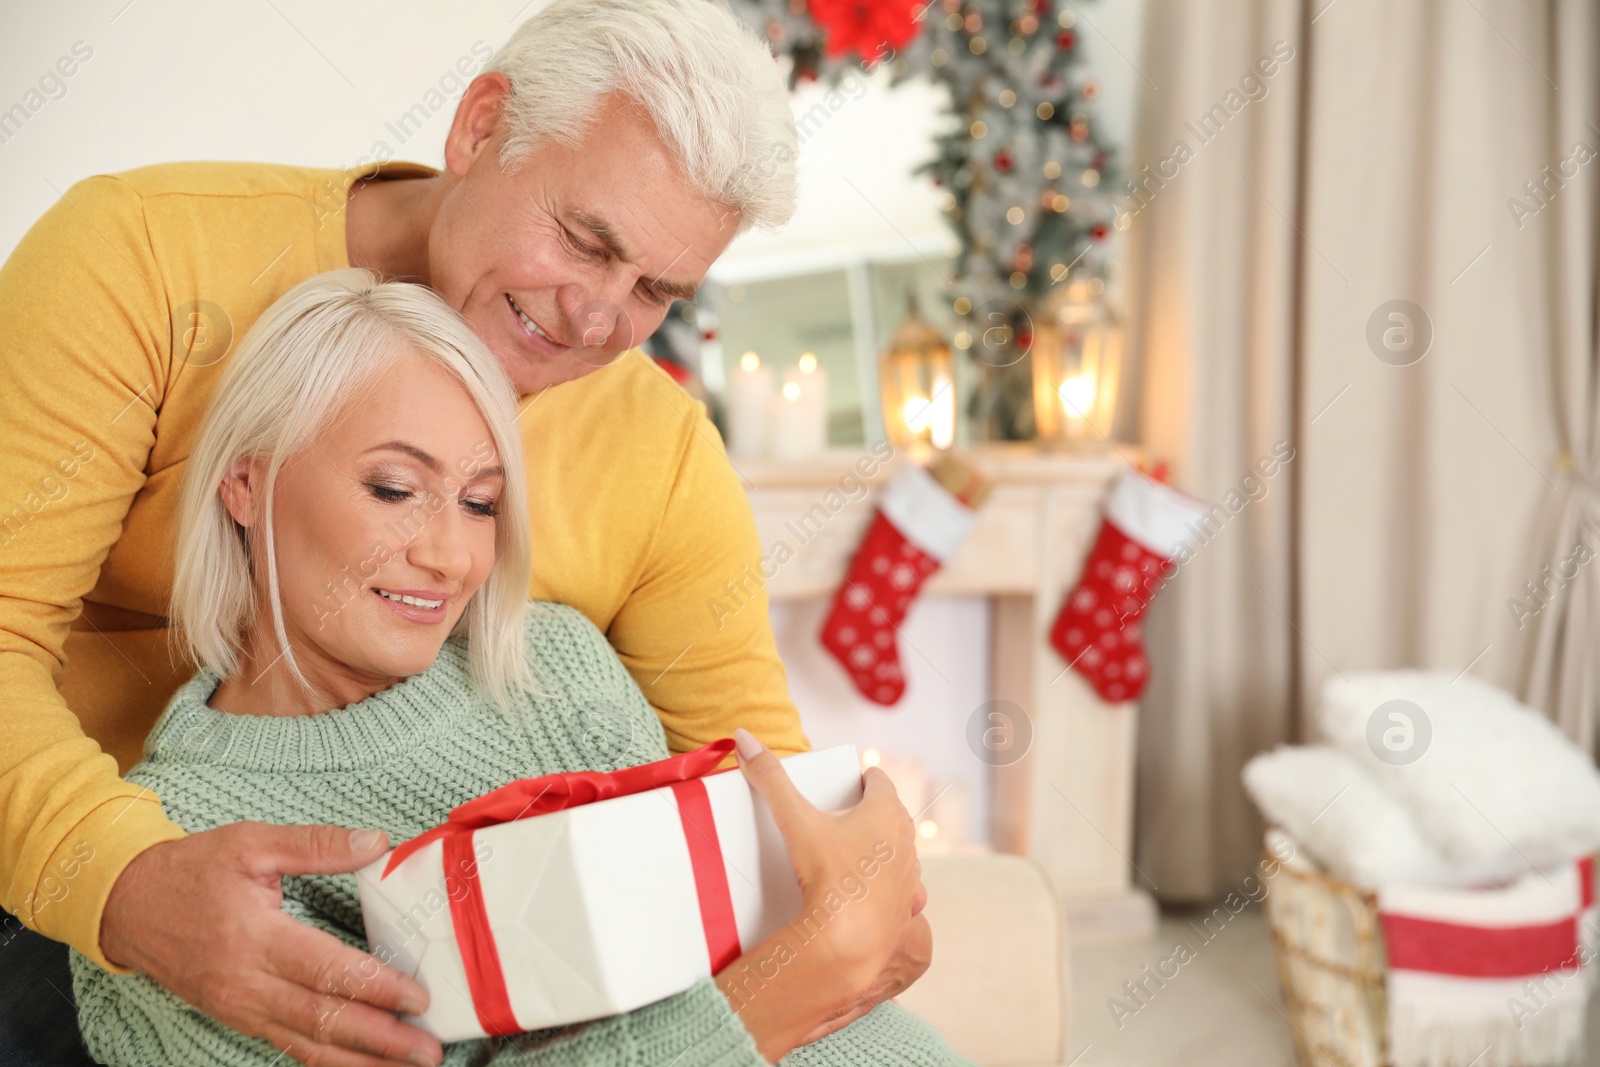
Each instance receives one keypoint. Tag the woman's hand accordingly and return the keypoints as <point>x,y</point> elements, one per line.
<point>859,937</point>
<point>200,915</point>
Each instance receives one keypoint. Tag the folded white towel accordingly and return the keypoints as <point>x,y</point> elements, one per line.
<point>1488,978</point>
<point>1492,784</point>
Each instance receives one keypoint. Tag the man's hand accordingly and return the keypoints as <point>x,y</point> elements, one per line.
<point>909,962</point>
<point>201,916</point>
<point>861,953</point>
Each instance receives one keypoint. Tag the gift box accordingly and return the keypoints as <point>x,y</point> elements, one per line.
<point>573,896</point>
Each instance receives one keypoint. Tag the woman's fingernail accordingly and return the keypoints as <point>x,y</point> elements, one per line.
<point>367,840</point>
<point>749,747</point>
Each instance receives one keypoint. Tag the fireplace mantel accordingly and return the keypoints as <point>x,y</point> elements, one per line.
<point>1068,803</point>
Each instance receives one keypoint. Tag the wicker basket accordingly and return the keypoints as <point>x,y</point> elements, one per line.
<point>1331,961</point>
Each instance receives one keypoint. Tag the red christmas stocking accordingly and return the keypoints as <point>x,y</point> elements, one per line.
<point>1147,526</point>
<point>919,524</point>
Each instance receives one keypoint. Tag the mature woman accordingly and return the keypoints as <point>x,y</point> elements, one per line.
<point>353,555</point>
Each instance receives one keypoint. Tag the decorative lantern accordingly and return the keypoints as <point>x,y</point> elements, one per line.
<point>1077,365</point>
<point>917,385</point>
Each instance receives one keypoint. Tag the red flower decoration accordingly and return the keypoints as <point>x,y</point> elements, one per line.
<point>868,27</point>
<point>1066,40</point>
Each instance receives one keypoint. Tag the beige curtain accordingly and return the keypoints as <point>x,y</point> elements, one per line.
<point>1210,271</point>
<point>1400,531</point>
<point>1561,669</point>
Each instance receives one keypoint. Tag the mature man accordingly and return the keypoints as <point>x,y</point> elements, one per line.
<point>593,173</point>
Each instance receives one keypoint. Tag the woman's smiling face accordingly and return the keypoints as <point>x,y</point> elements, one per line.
<point>383,530</point>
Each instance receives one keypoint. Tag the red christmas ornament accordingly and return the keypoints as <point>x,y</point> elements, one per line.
<point>867,28</point>
<point>1003,161</point>
<point>1066,40</point>
<point>1098,231</point>
<point>1091,89</point>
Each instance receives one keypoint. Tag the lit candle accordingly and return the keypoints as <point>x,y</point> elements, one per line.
<point>943,820</point>
<point>813,381</point>
<point>1077,396</point>
<point>790,424</point>
<point>749,390</point>
<point>932,418</point>
<point>1078,391</point>
<point>916,413</point>
<point>802,412</point>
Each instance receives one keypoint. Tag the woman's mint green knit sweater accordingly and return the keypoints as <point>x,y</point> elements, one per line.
<point>399,762</point>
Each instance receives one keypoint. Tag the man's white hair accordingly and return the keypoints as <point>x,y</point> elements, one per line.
<point>711,87</point>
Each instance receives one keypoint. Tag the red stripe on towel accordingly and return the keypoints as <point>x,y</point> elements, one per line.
<point>1478,951</point>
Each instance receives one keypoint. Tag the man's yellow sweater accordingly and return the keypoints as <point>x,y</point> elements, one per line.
<point>117,313</point>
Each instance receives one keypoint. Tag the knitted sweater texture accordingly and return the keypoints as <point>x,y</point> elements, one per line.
<point>399,761</point>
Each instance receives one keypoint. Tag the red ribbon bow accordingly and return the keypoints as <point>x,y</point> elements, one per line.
<point>527,797</point>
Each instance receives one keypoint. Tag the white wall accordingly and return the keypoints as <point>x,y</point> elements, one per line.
<point>858,198</point>
<point>290,81</point>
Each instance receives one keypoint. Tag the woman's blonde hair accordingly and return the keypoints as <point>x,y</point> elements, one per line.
<point>322,345</point>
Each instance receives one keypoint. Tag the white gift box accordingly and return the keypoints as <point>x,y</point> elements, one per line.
<point>597,909</point>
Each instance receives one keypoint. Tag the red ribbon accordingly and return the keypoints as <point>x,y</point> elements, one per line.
<point>527,797</point>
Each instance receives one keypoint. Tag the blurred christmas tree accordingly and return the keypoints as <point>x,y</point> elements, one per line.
<point>1026,177</point>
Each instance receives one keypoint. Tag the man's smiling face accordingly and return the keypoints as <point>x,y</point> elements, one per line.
<point>575,255</point>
